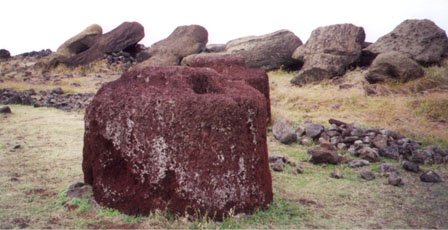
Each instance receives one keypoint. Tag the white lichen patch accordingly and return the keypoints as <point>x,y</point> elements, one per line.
<point>250,121</point>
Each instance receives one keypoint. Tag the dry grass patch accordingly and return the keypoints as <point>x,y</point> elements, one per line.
<point>321,102</point>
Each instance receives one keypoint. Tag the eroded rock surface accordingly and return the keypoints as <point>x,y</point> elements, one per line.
<point>422,40</point>
<point>183,139</point>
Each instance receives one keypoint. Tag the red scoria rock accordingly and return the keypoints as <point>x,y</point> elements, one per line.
<point>233,67</point>
<point>179,139</point>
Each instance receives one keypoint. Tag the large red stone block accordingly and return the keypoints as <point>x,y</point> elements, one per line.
<point>179,139</point>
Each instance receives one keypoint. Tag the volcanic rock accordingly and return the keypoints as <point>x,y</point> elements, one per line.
<point>368,153</point>
<point>313,130</point>
<point>430,177</point>
<point>5,109</point>
<point>278,165</point>
<point>355,163</point>
<point>410,166</point>
<point>367,174</point>
<point>422,40</point>
<point>337,174</point>
<point>329,51</point>
<point>215,48</point>
<point>391,152</point>
<point>283,131</point>
<point>393,67</point>
<point>324,154</point>
<point>183,41</point>
<point>79,190</point>
<point>386,169</point>
<point>80,42</point>
<point>395,180</point>
<point>269,51</point>
<point>182,140</point>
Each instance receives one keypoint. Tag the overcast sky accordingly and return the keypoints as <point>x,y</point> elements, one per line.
<point>28,25</point>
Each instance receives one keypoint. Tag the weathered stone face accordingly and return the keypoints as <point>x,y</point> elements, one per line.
<point>233,67</point>
<point>177,139</point>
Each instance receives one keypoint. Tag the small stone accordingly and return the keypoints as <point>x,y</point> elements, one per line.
<point>335,140</point>
<point>79,190</point>
<point>278,165</point>
<point>367,175</point>
<point>358,143</point>
<point>352,149</point>
<point>390,152</point>
<point>395,180</point>
<point>298,170</point>
<point>17,146</point>
<point>306,141</point>
<point>410,166</point>
<point>337,174</point>
<point>368,153</point>
<point>380,141</point>
<point>277,156</point>
<point>430,177</point>
<point>366,140</point>
<point>57,90</point>
<point>387,169</point>
<point>5,109</point>
<point>325,153</point>
<point>332,133</point>
<point>358,163</point>
<point>350,139</point>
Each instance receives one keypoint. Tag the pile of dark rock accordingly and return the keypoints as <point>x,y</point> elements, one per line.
<point>368,145</point>
<point>119,58</point>
<point>53,98</point>
<point>37,54</point>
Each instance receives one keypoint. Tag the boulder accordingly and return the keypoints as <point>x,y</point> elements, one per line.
<point>430,177</point>
<point>393,67</point>
<point>182,140</point>
<point>183,41</point>
<point>269,51</point>
<point>422,40</point>
<point>391,152</point>
<point>5,109</point>
<point>233,67</point>
<point>126,35</point>
<point>284,131</point>
<point>4,54</point>
<point>324,154</point>
<point>80,42</point>
<point>329,51</point>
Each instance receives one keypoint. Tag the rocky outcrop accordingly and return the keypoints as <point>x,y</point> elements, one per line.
<point>4,54</point>
<point>126,35</point>
<point>329,51</point>
<point>421,40</point>
<point>269,51</point>
<point>183,140</point>
<point>183,41</point>
<point>232,67</point>
<point>393,67</point>
<point>80,42</point>
<point>215,48</point>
